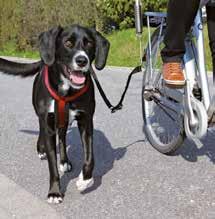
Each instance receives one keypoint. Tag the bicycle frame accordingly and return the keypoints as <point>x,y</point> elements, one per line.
<point>196,76</point>
<point>193,57</point>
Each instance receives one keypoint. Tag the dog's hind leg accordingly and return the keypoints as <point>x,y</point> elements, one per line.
<point>65,165</point>
<point>41,142</point>
<point>54,195</point>
<point>85,179</point>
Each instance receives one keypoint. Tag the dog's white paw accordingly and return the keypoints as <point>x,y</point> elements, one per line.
<point>55,199</point>
<point>66,167</point>
<point>42,156</point>
<point>84,184</point>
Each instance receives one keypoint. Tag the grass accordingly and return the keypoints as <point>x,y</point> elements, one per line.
<point>125,47</point>
<point>124,50</point>
<point>208,57</point>
<point>10,49</point>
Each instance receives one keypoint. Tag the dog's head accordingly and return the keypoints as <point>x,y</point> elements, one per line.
<point>74,48</point>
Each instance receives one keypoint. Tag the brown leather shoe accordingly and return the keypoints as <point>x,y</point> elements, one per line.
<point>173,74</point>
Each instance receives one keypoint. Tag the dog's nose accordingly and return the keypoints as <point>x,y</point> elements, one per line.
<point>81,61</point>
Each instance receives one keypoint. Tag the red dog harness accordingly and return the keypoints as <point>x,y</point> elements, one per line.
<point>61,101</point>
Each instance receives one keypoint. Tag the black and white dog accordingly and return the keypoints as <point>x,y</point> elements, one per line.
<point>63,90</point>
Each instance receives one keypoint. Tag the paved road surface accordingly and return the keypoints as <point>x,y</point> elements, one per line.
<point>132,179</point>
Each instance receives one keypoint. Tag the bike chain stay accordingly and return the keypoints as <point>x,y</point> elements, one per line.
<point>150,96</point>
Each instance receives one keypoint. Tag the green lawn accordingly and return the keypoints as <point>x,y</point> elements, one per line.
<point>124,50</point>
<point>10,50</point>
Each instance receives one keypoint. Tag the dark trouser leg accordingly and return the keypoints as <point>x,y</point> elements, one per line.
<point>211,32</point>
<point>181,14</point>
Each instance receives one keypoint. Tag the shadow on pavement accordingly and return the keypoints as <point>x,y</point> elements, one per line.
<point>30,132</point>
<point>105,156</point>
<point>190,152</point>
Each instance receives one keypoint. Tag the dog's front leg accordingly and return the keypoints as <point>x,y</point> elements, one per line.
<point>54,195</point>
<point>65,165</point>
<point>40,142</point>
<point>85,180</point>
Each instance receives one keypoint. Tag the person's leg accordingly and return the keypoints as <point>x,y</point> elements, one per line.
<point>211,31</point>
<point>180,17</point>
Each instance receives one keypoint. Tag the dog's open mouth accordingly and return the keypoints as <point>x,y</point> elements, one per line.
<point>76,77</point>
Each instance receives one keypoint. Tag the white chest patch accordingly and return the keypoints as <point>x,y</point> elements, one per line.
<point>51,107</point>
<point>66,83</point>
<point>72,113</point>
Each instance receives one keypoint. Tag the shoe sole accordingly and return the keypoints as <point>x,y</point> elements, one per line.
<point>171,82</point>
<point>174,84</point>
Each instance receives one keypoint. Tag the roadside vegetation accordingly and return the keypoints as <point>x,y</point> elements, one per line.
<point>124,50</point>
<point>22,21</point>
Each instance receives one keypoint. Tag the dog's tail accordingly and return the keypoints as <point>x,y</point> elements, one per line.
<point>19,69</point>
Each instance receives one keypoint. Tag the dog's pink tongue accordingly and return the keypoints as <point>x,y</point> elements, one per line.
<point>77,78</point>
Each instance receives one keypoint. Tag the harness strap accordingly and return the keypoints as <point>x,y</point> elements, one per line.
<point>61,113</point>
<point>61,101</point>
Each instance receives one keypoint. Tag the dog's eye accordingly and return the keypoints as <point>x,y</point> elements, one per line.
<point>68,44</point>
<point>90,44</point>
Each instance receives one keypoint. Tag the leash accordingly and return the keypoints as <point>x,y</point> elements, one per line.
<point>119,106</point>
<point>62,101</point>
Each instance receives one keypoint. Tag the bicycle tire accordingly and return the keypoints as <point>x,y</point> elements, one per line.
<point>169,147</point>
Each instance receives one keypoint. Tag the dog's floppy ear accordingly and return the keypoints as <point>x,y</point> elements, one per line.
<point>47,44</point>
<point>102,49</point>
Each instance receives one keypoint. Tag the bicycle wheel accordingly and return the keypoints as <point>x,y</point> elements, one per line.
<point>162,115</point>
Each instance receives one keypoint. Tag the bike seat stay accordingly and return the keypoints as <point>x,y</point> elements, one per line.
<point>198,49</point>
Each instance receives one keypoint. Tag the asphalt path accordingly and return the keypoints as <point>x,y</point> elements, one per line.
<point>132,180</point>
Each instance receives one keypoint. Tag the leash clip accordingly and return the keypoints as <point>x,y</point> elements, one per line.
<point>116,108</point>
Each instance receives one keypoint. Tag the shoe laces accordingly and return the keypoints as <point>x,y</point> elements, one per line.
<point>173,67</point>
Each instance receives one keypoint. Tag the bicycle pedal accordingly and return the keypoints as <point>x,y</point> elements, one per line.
<point>197,93</point>
<point>148,95</point>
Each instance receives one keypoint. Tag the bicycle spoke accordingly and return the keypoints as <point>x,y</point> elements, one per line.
<point>162,106</point>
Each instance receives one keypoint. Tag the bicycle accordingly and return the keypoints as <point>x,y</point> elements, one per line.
<point>170,115</point>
